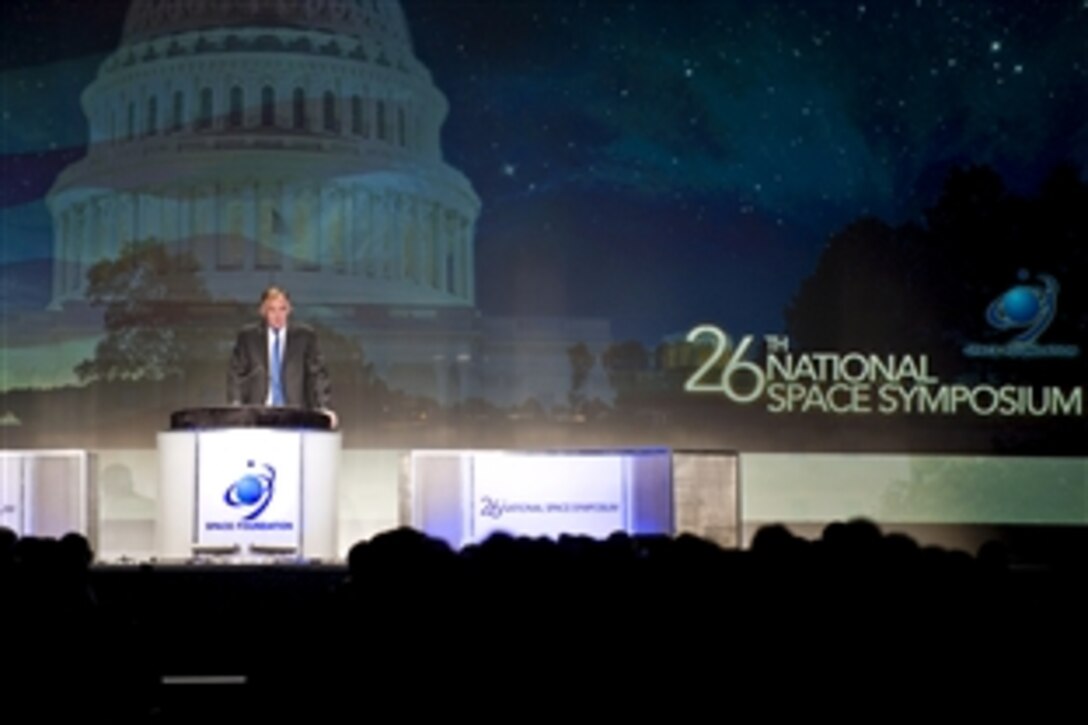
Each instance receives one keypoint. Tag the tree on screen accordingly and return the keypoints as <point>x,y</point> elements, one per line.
<point>151,296</point>
<point>358,392</point>
<point>581,364</point>
<point>626,364</point>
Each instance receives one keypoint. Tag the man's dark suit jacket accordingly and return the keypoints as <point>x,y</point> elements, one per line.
<point>305,380</point>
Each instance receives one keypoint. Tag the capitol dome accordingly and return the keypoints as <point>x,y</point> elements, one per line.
<point>296,140</point>
<point>381,22</point>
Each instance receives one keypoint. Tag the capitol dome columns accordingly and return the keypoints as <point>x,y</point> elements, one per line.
<point>251,225</point>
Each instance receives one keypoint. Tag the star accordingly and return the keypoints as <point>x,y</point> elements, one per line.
<point>509,169</point>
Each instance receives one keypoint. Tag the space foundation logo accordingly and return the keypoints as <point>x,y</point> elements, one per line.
<point>250,494</point>
<point>1027,310</point>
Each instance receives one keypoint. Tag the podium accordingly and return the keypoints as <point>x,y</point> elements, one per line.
<point>247,483</point>
<point>49,493</point>
<point>465,496</point>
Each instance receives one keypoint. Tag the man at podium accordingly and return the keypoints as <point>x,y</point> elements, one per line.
<point>276,364</point>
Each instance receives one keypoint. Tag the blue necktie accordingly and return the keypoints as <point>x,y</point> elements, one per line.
<point>274,373</point>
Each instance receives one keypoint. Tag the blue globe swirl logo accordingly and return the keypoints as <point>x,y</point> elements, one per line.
<point>1026,307</point>
<point>254,489</point>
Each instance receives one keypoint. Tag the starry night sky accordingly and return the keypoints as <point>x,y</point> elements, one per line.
<point>655,164</point>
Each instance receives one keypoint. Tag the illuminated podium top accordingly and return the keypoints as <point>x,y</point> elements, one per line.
<point>248,416</point>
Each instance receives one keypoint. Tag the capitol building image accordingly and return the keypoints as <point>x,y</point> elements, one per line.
<point>300,138</point>
<point>297,142</point>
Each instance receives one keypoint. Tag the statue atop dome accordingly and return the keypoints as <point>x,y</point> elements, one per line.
<point>148,19</point>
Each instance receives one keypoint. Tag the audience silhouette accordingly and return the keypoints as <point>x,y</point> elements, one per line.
<point>532,619</point>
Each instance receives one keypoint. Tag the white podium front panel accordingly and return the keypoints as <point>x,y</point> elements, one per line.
<point>48,493</point>
<point>464,496</point>
<point>320,494</point>
<point>12,505</point>
<point>249,487</point>
<point>546,495</point>
<point>176,502</point>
